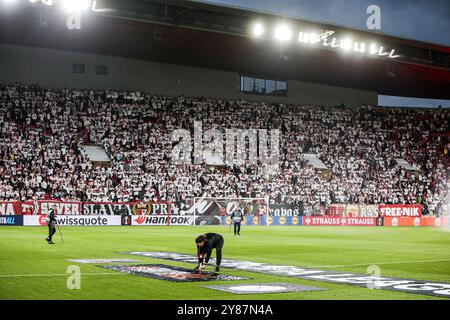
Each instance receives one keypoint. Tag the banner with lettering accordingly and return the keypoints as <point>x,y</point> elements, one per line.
<point>400,210</point>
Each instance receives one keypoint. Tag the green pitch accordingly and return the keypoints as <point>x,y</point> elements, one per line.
<point>32,269</point>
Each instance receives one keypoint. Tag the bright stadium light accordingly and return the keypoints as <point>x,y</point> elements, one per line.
<point>283,33</point>
<point>75,5</point>
<point>314,38</point>
<point>258,30</point>
<point>373,49</point>
<point>360,47</point>
<point>348,44</point>
<point>46,2</point>
<point>308,37</point>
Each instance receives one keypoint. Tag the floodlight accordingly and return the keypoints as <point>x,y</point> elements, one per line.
<point>314,38</point>
<point>75,5</point>
<point>373,49</point>
<point>258,30</point>
<point>348,44</point>
<point>283,33</point>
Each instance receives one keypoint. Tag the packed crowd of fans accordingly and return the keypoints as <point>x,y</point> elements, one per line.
<point>42,132</point>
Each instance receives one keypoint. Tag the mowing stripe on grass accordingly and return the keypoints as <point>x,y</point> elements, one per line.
<point>378,263</point>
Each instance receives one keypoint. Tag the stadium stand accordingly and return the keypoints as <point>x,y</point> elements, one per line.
<point>42,132</point>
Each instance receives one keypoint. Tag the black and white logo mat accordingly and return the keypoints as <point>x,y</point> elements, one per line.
<point>278,287</point>
<point>440,289</point>
<point>101,260</point>
<point>171,273</point>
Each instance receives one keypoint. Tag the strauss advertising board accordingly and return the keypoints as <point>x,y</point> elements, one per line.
<point>339,221</point>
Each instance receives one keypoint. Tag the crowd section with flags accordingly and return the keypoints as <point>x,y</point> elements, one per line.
<point>42,131</point>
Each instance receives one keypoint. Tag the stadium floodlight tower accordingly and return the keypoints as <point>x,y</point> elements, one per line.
<point>226,205</point>
<point>283,33</point>
<point>258,29</point>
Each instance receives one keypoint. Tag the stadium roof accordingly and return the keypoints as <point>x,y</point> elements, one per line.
<point>216,36</point>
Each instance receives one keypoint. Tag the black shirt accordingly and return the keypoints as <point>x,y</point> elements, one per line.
<point>51,218</point>
<point>214,240</point>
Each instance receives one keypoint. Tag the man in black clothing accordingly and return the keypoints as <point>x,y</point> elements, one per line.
<point>237,217</point>
<point>205,244</point>
<point>51,220</point>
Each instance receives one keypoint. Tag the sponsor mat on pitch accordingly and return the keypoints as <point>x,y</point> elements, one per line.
<point>101,260</point>
<point>423,287</point>
<point>278,287</point>
<point>171,273</point>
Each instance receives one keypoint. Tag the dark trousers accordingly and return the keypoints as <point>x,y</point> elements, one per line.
<point>218,253</point>
<point>237,227</point>
<point>51,232</point>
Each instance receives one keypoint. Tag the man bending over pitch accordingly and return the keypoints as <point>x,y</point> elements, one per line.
<point>205,244</point>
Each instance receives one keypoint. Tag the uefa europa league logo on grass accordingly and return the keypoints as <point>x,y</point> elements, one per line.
<point>242,147</point>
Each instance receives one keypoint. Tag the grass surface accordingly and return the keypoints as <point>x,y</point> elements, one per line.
<point>32,269</point>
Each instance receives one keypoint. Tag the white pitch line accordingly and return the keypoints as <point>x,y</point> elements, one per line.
<point>58,274</point>
<point>378,263</point>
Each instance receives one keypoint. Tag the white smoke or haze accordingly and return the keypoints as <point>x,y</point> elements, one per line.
<point>445,227</point>
<point>446,213</point>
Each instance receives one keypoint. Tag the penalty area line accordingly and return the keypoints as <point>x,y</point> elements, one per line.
<point>379,263</point>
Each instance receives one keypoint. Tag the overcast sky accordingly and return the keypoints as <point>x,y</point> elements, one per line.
<point>425,20</point>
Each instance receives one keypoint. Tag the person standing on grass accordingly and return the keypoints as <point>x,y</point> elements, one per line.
<point>237,217</point>
<point>205,244</point>
<point>51,220</point>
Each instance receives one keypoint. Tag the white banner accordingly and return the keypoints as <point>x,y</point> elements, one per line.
<point>73,220</point>
<point>162,220</point>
